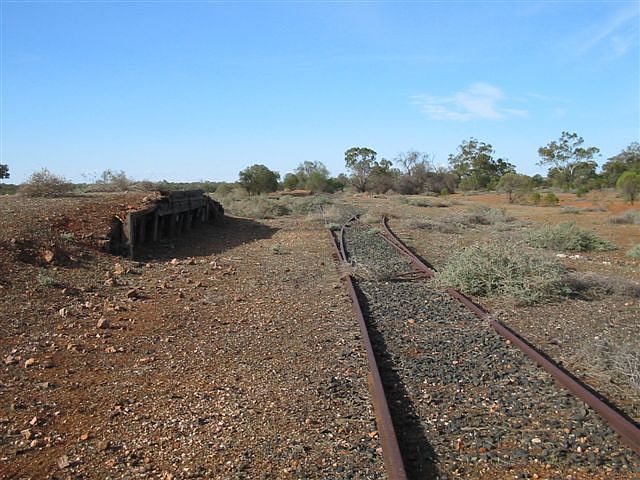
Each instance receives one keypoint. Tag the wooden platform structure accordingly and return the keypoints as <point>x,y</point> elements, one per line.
<point>175,212</point>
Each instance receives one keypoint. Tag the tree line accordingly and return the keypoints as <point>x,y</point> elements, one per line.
<point>474,166</point>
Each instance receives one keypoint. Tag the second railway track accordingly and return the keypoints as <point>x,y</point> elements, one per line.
<point>464,402</point>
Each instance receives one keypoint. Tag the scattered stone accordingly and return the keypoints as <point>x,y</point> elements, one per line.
<point>63,462</point>
<point>33,422</point>
<point>48,256</point>
<point>103,323</point>
<point>133,294</point>
<point>10,360</point>
<point>29,362</point>
<point>103,445</point>
<point>47,363</point>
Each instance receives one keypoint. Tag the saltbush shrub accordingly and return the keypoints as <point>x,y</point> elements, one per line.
<point>567,236</point>
<point>550,199</point>
<point>493,269</point>
<point>634,252</point>
<point>631,217</point>
<point>536,198</point>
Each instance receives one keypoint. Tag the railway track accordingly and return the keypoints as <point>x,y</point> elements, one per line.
<point>455,399</point>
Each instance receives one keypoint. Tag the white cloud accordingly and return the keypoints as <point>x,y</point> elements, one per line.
<point>619,32</point>
<point>481,101</point>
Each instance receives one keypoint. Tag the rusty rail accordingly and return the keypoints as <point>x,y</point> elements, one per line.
<point>392,457</point>
<point>399,245</point>
<point>624,426</point>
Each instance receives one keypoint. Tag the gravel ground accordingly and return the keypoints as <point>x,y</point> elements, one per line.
<point>466,403</point>
<point>229,353</point>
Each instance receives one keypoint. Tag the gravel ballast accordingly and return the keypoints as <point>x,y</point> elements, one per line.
<point>468,404</point>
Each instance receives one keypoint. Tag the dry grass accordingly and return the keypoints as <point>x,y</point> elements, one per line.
<point>592,284</point>
<point>630,217</point>
<point>616,363</point>
<point>495,269</point>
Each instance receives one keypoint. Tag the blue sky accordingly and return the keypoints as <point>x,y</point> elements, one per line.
<point>201,90</point>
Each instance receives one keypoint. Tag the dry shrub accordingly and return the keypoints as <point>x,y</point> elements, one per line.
<point>595,284</point>
<point>630,217</point>
<point>257,207</point>
<point>616,363</point>
<point>371,273</point>
<point>571,210</point>
<point>371,218</point>
<point>43,183</point>
<point>434,226</point>
<point>456,223</point>
<point>493,269</point>
<point>567,236</point>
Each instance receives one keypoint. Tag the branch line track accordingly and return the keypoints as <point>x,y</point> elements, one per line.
<point>624,426</point>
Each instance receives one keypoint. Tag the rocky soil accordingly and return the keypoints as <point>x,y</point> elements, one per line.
<point>228,353</point>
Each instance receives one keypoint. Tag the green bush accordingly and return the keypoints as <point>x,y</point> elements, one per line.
<point>536,198</point>
<point>304,205</point>
<point>634,252</point>
<point>582,191</point>
<point>491,269</point>
<point>567,236</point>
<point>550,199</point>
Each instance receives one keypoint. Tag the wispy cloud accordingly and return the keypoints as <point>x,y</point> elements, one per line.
<point>481,101</point>
<point>619,33</point>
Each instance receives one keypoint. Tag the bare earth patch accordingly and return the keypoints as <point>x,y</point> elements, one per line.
<point>229,353</point>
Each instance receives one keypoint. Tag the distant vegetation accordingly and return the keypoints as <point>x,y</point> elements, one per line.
<point>43,183</point>
<point>473,167</point>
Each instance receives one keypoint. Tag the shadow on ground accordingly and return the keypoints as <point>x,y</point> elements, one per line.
<point>207,239</point>
<point>418,455</point>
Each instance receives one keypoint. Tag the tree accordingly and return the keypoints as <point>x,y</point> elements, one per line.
<point>629,183</point>
<point>382,177</point>
<point>414,161</point>
<point>313,176</point>
<point>4,171</point>
<point>627,160</point>
<point>514,184</point>
<point>115,180</point>
<point>566,156</point>
<point>291,181</point>
<point>360,161</point>
<point>475,166</point>
<point>259,179</point>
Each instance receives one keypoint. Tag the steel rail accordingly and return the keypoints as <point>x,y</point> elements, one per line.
<point>624,426</point>
<point>394,465</point>
<point>399,245</point>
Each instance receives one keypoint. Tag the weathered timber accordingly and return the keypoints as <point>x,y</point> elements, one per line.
<point>172,214</point>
